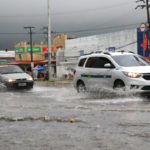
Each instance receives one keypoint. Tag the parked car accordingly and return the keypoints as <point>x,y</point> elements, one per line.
<point>115,70</point>
<point>13,76</point>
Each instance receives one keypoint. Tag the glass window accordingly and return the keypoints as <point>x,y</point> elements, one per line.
<point>81,63</point>
<point>10,69</point>
<point>130,60</point>
<point>97,62</point>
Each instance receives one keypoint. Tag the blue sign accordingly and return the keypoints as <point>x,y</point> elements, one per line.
<point>111,48</point>
<point>142,43</point>
<point>81,52</point>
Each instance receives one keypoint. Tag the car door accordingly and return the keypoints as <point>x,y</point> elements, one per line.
<point>98,72</point>
<point>107,69</point>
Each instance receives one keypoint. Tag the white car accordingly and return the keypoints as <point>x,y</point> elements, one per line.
<point>13,76</point>
<point>112,70</point>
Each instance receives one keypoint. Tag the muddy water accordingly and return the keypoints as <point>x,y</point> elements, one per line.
<point>58,118</point>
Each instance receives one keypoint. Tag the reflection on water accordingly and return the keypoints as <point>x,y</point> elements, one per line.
<point>53,117</point>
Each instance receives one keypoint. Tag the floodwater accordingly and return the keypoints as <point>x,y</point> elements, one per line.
<point>58,118</point>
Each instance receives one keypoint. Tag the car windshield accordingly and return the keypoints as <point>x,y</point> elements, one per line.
<point>10,69</point>
<point>130,60</point>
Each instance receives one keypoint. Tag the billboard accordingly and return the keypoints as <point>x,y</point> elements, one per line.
<point>143,43</point>
<point>34,49</point>
<point>20,50</point>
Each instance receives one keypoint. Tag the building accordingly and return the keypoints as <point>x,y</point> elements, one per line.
<point>39,53</point>
<point>23,51</point>
<point>59,42</point>
<point>121,40</point>
<point>7,56</point>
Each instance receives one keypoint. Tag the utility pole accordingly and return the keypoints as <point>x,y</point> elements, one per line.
<point>31,52</point>
<point>146,4</point>
<point>45,32</point>
<point>49,42</point>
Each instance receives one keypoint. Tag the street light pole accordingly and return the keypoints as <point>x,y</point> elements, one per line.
<point>31,52</point>
<point>49,41</point>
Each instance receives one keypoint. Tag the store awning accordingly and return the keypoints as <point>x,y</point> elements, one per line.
<point>29,62</point>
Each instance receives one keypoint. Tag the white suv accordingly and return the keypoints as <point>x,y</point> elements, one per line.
<point>112,70</point>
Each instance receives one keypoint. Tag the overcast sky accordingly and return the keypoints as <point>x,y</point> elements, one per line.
<point>78,17</point>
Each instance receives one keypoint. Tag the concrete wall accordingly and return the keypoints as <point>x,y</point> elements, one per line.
<point>121,40</point>
<point>3,53</point>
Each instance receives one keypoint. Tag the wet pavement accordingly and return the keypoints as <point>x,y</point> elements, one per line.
<point>58,118</point>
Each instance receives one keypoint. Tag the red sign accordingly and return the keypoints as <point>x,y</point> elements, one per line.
<point>45,49</point>
<point>52,49</point>
<point>142,27</point>
<point>145,42</point>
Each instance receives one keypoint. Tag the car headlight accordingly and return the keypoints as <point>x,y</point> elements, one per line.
<point>133,74</point>
<point>10,80</point>
<point>30,79</point>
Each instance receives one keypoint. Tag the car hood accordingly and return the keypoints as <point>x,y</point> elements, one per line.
<point>15,76</point>
<point>139,69</point>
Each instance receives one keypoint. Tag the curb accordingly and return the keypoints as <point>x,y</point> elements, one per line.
<point>55,83</point>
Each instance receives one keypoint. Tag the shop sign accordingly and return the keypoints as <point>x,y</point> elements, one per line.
<point>34,49</point>
<point>45,49</point>
<point>20,50</point>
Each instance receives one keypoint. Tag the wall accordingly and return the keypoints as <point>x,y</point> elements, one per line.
<point>7,56</point>
<point>59,42</point>
<point>122,40</point>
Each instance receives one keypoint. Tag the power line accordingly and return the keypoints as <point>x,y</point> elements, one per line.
<point>75,31</point>
<point>20,33</point>
<point>104,28</point>
<point>126,45</point>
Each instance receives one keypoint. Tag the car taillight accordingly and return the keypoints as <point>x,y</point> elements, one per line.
<point>74,71</point>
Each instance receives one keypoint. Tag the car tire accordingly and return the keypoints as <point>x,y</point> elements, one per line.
<point>81,87</point>
<point>119,85</point>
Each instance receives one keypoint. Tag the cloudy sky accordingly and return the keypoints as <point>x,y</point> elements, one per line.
<point>77,17</point>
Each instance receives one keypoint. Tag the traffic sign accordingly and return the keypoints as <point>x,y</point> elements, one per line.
<point>142,27</point>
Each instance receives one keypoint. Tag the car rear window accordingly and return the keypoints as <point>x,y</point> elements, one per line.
<point>81,62</point>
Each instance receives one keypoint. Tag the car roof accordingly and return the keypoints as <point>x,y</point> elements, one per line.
<point>6,65</point>
<point>106,53</point>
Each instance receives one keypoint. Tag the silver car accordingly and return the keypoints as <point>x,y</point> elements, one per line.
<point>123,70</point>
<point>13,76</point>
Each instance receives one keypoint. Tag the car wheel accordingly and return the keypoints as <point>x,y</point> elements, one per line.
<point>119,85</point>
<point>81,87</point>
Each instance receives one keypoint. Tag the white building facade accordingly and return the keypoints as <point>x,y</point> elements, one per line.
<point>122,40</point>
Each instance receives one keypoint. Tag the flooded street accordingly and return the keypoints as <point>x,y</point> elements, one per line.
<point>58,118</point>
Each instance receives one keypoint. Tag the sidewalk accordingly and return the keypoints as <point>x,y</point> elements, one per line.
<point>54,82</point>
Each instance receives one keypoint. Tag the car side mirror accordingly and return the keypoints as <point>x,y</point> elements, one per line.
<point>108,65</point>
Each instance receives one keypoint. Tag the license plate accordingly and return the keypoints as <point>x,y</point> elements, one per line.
<point>22,84</point>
